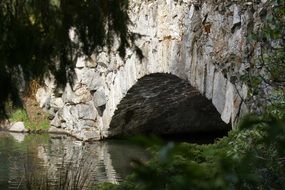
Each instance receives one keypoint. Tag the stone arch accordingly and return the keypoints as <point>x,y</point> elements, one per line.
<point>164,104</point>
<point>204,77</point>
<point>199,43</point>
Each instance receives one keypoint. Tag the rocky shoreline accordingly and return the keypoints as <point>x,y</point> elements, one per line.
<point>19,127</point>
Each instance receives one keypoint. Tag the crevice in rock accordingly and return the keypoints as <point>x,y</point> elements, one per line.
<point>235,27</point>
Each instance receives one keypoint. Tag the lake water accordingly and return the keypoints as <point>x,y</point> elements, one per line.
<point>59,161</point>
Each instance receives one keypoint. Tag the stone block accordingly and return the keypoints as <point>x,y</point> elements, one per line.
<point>100,97</point>
<point>228,108</point>
<point>219,91</point>
<point>18,127</point>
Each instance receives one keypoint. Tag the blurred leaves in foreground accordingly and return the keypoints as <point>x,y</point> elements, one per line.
<point>252,157</point>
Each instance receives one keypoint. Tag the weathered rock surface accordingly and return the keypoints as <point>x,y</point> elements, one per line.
<point>18,127</point>
<point>203,42</point>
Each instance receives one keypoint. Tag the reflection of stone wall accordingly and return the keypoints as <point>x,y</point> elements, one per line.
<point>202,42</point>
<point>40,160</point>
<point>87,164</point>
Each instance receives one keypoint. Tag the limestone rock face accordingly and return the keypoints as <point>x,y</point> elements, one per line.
<point>203,42</point>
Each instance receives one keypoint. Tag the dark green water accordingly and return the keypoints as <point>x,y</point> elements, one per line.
<point>48,161</point>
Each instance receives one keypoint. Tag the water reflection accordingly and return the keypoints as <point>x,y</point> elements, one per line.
<point>18,137</point>
<point>59,161</point>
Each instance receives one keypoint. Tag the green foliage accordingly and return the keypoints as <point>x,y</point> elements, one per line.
<point>277,106</point>
<point>106,186</point>
<point>22,115</point>
<point>266,76</point>
<point>19,115</point>
<point>250,158</point>
<point>32,127</point>
<point>45,125</point>
<point>34,37</point>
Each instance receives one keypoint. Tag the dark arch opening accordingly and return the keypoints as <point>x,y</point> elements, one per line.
<point>165,105</point>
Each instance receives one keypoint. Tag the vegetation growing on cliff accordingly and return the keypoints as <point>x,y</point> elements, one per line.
<point>266,75</point>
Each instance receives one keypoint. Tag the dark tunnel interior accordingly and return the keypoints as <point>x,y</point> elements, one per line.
<point>167,106</point>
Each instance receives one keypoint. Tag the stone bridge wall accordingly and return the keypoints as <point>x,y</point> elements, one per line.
<point>203,42</point>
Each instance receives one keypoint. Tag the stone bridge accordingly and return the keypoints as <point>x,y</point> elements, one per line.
<point>195,53</point>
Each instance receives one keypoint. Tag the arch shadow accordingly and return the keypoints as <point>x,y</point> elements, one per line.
<point>164,104</point>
